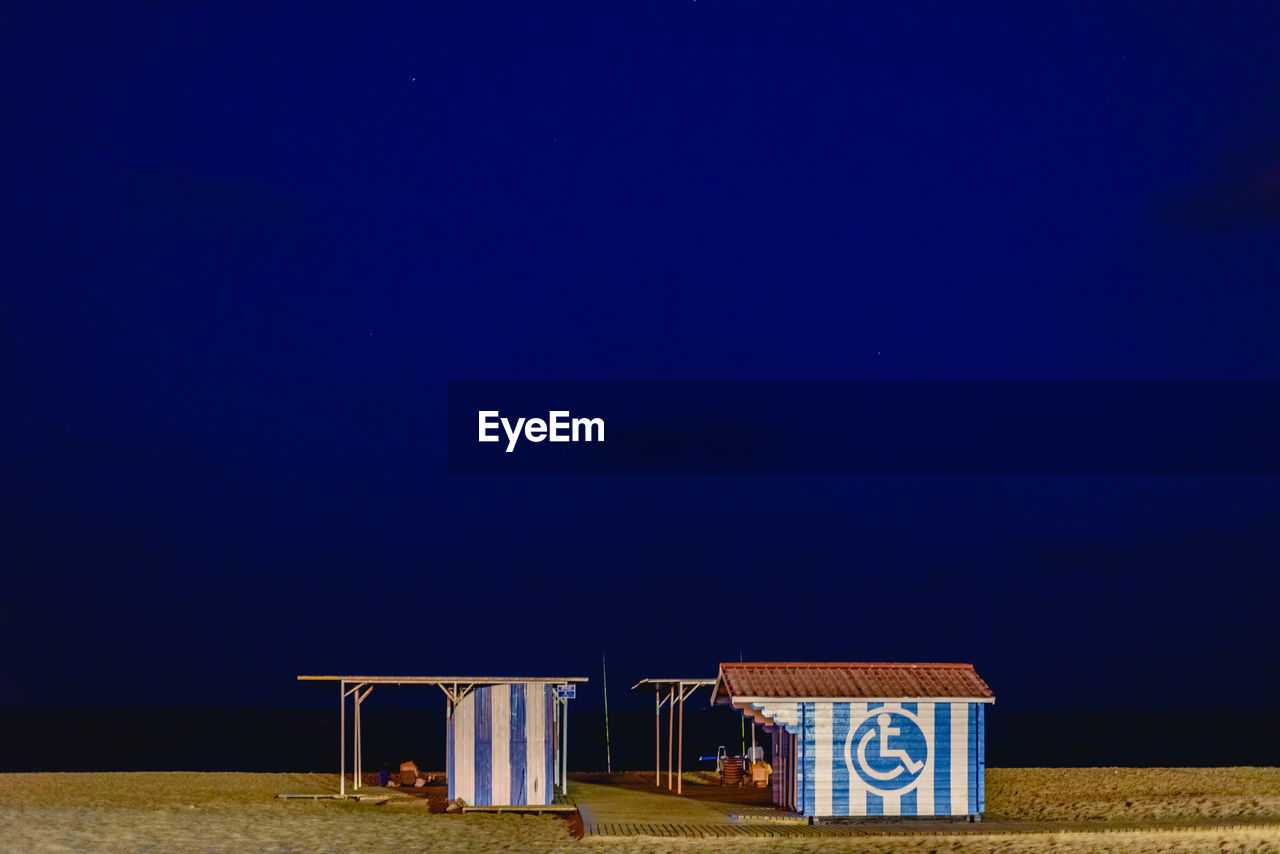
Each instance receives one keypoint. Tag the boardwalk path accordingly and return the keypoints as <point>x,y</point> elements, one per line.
<point>612,811</point>
<point>615,811</point>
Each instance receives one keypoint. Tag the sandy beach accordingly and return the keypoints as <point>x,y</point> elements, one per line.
<point>1033,810</point>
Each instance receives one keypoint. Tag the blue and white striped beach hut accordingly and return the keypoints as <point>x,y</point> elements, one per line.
<point>503,746</point>
<point>859,739</point>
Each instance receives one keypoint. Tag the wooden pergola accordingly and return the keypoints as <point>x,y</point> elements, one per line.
<point>454,688</point>
<point>676,691</point>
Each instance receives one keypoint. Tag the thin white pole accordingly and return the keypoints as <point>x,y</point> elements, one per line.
<point>342,738</point>
<point>356,758</point>
<point>564,751</point>
<point>555,729</point>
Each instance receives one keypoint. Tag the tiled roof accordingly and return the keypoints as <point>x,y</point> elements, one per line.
<point>846,679</point>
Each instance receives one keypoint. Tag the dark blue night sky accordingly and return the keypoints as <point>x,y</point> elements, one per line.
<point>246,250</point>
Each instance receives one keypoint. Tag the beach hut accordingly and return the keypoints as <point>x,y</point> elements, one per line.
<point>867,739</point>
<point>503,743</point>
<point>506,740</point>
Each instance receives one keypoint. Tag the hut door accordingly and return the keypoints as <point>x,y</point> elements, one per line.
<point>784,769</point>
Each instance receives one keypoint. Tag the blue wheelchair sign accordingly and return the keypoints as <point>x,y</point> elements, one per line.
<point>888,751</point>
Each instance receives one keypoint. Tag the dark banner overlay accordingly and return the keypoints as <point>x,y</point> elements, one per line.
<point>864,427</point>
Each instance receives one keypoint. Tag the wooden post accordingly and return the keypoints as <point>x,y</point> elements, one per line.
<point>790,772</point>
<point>358,736</point>
<point>671,722</point>
<point>342,738</point>
<point>680,751</point>
<point>657,737</point>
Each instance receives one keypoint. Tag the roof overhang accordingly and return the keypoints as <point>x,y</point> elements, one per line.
<point>445,680</point>
<point>454,687</point>
<point>736,700</point>
<point>677,689</point>
<point>722,695</point>
<point>665,683</point>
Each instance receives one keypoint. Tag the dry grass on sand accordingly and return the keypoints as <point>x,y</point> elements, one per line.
<point>1143,795</point>
<point>116,812</point>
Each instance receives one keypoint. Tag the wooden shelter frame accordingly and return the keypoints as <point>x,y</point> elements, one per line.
<point>677,691</point>
<point>455,688</point>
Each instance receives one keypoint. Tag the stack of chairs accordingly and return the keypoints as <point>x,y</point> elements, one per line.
<point>731,771</point>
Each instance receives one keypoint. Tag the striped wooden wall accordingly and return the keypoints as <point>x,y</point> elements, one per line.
<point>830,764</point>
<point>500,745</point>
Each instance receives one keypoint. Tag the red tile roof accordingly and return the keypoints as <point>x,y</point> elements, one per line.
<point>847,679</point>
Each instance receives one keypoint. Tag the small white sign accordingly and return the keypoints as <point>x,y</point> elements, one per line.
<point>566,692</point>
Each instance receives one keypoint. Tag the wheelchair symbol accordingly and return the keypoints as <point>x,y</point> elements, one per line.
<point>879,751</point>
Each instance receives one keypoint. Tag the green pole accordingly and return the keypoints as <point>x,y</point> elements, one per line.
<point>604,671</point>
<point>743,752</point>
